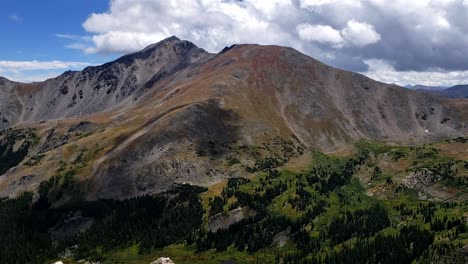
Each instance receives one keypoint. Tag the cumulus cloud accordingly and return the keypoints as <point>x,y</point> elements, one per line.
<point>316,4</point>
<point>355,33</point>
<point>416,36</point>
<point>360,34</point>
<point>122,41</point>
<point>212,24</point>
<point>383,71</point>
<point>319,33</point>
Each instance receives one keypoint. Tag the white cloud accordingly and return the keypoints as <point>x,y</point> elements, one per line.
<point>441,22</point>
<point>383,71</point>
<point>30,76</point>
<point>130,25</point>
<point>319,33</point>
<point>73,37</point>
<point>31,71</point>
<point>39,65</point>
<point>355,33</point>
<point>122,42</point>
<point>313,4</point>
<point>360,34</point>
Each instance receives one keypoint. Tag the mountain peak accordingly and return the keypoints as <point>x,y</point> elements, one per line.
<point>169,40</point>
<point>169,45</point>
<point>4,80</point>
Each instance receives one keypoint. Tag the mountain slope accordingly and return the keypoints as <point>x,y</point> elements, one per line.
<point>457,91</point>
<point>174,113</point>
<point>425,87</point>
<point>95,89</point>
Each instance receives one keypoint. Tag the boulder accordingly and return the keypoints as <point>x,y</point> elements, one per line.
<point>163,260</point>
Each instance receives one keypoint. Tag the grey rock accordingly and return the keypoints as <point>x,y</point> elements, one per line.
<point>163,260</point>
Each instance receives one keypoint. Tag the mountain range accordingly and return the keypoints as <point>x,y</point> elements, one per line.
<point>256,154</point>
<point>174,113</point>
<point>457,91</point>
<point>425,87</point>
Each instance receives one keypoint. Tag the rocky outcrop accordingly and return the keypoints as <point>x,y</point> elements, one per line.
<point>425,182</point>
<point>71,226</point>
<point>420,179</point>
<point>163,260</point>
<point>224,220</point>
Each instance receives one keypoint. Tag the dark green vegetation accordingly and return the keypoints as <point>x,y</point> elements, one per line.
<point>14,146</point>
<point>321,215</point>
<point>151,222</point>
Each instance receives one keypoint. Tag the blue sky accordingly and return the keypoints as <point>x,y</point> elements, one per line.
<point>29,33</point>
<point>399,41</point>
<point>30,27</point>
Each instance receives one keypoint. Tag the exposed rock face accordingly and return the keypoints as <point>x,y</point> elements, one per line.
<point>71,226</point>
<point>95,89</point>
<point>425,182</point>
<point>420,179</point>
<point>223,221</point>
<point>175,113</point>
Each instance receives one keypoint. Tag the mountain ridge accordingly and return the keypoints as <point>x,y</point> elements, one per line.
<point>174,113</point>
<point>459,91</point>
<point>455,92</point>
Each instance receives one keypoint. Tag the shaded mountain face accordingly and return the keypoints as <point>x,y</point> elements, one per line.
<point>457,91</point>
<point>173,113</point>
<point>425,87</point>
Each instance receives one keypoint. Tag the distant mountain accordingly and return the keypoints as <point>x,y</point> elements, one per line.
<point>425,88</point>
<point>174,113</point>
<point>457,91</point>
